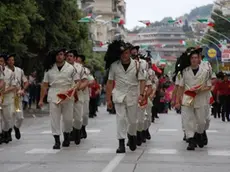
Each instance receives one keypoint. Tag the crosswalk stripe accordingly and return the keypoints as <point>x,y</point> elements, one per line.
<point>42,151</point>
<point>218,153</point>
<point>163,151</point>
<point>168,130</point>
<point>101,150</point>
<point>87,130</point>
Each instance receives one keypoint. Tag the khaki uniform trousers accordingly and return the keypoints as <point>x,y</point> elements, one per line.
<point>140,119</point>
<point>148,116</point>
<point>126,119</point>
<point>18,117</point>
<point>64,110</point>
<point>78,115</point>
<point>183,120</point>
<point>85,113</point>
<point>195,120</point>
<point>7,114</point>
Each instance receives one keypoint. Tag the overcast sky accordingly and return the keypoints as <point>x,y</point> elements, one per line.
<point>155,10</point>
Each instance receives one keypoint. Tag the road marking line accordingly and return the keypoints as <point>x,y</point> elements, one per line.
<point>42,151</point>
<point>219,153</point>
<point>162,151</point>
<point>46,132</point>
<point>113,163</point>
<point>101,150</point>
<point>93,131</point>
<point>87,130</point>
<point>212,131</point>
<point>168,130</point>
<point>17,167</point>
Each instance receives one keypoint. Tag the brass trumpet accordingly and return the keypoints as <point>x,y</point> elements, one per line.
<point>17,102</point>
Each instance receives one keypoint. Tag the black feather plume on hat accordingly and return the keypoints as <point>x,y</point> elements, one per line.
<point>115,49</point>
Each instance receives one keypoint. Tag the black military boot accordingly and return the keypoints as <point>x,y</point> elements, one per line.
<point>17,133</point>
<point>147,134</point>
<point>71,136</point>
<point>57,143</point>
<point>200,140</point>
<point>205,138</point>
<point>66,141</point>
<point>191,144</point>
<point>139,138</point>
<point>143,136</point>
<point>121,148</point>
<point>132,142</point>
<point>9,134</point>
<point>77,136</point>
<point>83,132</point>
<point>184,138</point>
<point>5,137</point>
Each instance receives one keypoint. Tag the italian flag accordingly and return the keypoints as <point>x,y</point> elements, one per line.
<point>162,63</point>
<point>118,21</point>
<point>180,22</point>
<point>182,42</point>
<point>86,19</point>
<point>210,24</point>
<point>146,22</point>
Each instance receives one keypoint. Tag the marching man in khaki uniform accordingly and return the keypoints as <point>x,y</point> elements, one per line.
<point>151,89</point>
<point>21,84</point>
<point>126,74</point>
<point>78,105</point>
<point>59,77</point>
<point>140,111</point>
<point>194,85</point>
<point>7,99</point>
<point>81,60</point>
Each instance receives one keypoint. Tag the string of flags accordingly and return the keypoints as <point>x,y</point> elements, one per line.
<point>146,22</point>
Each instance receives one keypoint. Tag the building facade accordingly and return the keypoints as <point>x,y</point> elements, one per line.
<point>167,40</point>
<point>104,30</point>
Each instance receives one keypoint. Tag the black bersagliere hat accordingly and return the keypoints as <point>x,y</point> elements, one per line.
<point>82,57</point>
<point>114,51</point>
<point>60,50</point>
<point>4,56</point>
<point>75,52</point>
<point>135,47</point>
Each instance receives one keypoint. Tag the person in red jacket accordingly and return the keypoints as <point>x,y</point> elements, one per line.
<point>94,91</point>
<point>223,96</point>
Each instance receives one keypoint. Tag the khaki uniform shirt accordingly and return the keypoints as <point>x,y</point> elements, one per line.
<point>10,81</point>
<point>190,80</point>
<point>80,73</point>
<point>126,82</point>
<point>59,81</point>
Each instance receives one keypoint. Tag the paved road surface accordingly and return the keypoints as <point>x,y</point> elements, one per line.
<point>166,152</point>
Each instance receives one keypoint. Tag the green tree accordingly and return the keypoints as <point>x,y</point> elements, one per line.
<point>221,26</point>
<point>59,28</point>
<point>15,17</point>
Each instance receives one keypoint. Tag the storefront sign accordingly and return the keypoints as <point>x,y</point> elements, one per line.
<point>226,55</point>
<point>212,53</point>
